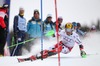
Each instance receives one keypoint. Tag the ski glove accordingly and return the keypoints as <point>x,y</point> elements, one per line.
<point>83,54</point>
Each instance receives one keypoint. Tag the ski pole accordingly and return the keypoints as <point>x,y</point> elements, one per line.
<point>15,49</point>
<point>41,31</point>
<point>21,42</point>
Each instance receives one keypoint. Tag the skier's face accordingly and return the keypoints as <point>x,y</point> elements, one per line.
<point>68,31</point>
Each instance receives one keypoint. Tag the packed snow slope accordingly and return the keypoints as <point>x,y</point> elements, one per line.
<point>91,46</point>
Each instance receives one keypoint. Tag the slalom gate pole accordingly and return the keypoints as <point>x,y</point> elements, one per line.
<point>41,31</point>
<point>57,31</point>
<point>8,31</point>
<point>8,34</point>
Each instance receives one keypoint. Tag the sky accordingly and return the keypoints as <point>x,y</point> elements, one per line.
<point>83,11</point>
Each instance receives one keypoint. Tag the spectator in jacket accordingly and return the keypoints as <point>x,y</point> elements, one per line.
<point>48,24</point>
<point>60,20</point>
<point>34,25</point>
<point>20,29</point>
<point>34,28</point>
<point>3,27</point>
<point>79,31</point>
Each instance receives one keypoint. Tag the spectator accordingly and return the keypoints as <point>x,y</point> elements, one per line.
<point>34,25</point>
<point>60,20</point>
<point>93,28</point>
<point>48,24</point>
<point>3,27</point>
<point>79,31</point>
<point>34,28</point>
<point>19,27</point>
<point>74,26</point>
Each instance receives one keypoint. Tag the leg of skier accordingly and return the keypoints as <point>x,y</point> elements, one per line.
<point>66,49</point>
<point>46,53</point>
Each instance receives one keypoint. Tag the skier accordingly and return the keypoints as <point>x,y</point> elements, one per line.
<point>65,45</point>
<point>3,27</point>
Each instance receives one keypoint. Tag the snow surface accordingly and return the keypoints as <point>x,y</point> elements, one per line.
<point>91,45</point>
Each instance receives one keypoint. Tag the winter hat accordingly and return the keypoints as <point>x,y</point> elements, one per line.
<point>36,11</point>
<point>74,23</point>
<point>21,8</point>
<point>49,15</point>
<point>21,13</point>
<point>78,25</point>
<point>60,18</point>
<point>5,6</point>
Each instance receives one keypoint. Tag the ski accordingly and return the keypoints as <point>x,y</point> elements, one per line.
<point>46,54</point>
<point>31,58</point>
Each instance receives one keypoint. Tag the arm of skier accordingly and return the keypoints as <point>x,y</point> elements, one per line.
<point>81,47</point>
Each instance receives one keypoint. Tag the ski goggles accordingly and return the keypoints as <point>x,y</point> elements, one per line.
<point>68,30</point>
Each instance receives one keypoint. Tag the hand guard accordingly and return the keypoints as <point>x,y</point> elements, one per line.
<point>83,54</point>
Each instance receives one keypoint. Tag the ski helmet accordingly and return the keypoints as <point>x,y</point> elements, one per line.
<point>68,27</point>
<point>36,11</point>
